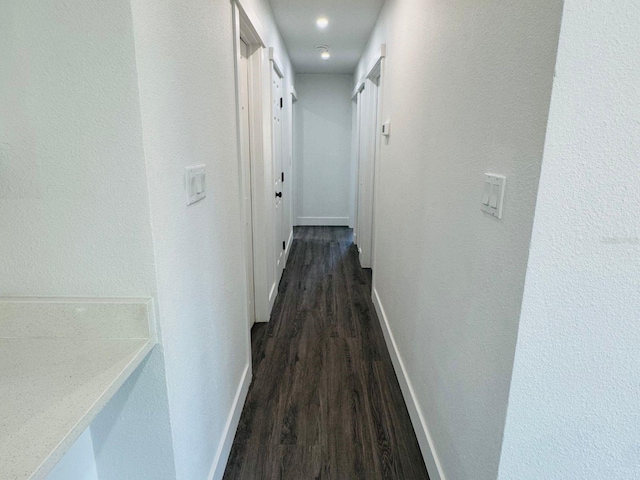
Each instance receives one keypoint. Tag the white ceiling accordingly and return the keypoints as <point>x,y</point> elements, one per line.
<point>350,24</point>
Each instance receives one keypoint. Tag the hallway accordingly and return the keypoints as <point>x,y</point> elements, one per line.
<point>325,401</point>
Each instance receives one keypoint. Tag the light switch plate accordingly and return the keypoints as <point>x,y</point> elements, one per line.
<point>493,194</point>
<point>195,183</point>
<point>386,128</point>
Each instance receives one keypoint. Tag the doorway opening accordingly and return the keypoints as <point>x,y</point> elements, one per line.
<point>248,53</point>
<point>368,107</point>
<point>280,237</point>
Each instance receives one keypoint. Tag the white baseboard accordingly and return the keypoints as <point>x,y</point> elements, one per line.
<point>323,221</point>
<point>425,440</point>
<point>289,242</point>
<point>222,455</point>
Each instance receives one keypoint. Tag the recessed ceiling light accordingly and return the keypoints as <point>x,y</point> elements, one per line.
<point>325,55</point>
<point>322,22</point>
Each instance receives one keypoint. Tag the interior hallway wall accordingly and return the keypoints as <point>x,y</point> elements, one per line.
<point>574,409</point>
<point>323,149</point>
<point>81,187</point>
<point>78,463</point>
<point>74,206</point>
<point>74,209</point>
<point>187,96</point>
<point>467,89</point>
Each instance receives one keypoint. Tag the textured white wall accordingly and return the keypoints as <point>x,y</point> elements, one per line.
<point>74,204</point>
<point>132,434</point>
<point>574,408</point>
<point>323,142</point>
<point>467,89</point>
<point>77,211</point>
<point>187,96</point>
<point>78,462</point>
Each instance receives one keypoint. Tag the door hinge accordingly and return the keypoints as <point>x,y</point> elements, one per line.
<point>280,102</point>
<point>282,176</point>
<point>284,245</point>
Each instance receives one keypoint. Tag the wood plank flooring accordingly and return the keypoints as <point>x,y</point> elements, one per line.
<point>325,402</point>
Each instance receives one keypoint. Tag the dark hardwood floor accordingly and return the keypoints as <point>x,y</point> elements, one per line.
<point>325,401</point>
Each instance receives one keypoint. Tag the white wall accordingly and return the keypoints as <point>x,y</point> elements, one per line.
<point>185,65</point>
<point>74,204</point>
<point>574,408</point>
<point>467,89</point>
<point>92,206</point>
<point>187,97</point>
<point>78,463</point>
<point>323,142</point>
<point>132,434</point>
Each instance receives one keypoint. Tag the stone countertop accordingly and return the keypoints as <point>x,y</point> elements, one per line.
<point>50,391</point>
<point>51,388</point>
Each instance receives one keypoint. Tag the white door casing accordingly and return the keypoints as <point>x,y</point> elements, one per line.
<point>277,104</point>
<point>245,155</point>
<point>368,122</point>
<point>369,113</point>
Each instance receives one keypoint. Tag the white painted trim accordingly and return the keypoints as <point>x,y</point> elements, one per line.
<point>276,62</point>
<point>272,298</point>
<point>222,455</point>
<point>372,66</point>
<point>375,61</point>
<point>324,221</point>
<point>294,94</point>
<point>357,90</point>
<point>425,440</point>
<point>251,21</point>
<point>286,253</point>
<point>379,71</point>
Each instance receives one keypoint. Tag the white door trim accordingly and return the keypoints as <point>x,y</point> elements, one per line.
<point>248,24</point>
<point>249,29</point>
<point>276,62</point>
<point>368,95</point>
<point>277,111</point>
<point>377,71</point>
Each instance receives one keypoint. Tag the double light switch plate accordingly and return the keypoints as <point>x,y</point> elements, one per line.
<point>493,194</point>
<point>195,184</point>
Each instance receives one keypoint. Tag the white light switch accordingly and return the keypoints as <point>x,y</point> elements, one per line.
<point>485,193</point>
<point>195,184</point>
<point>493,194</point>
<point>493,198</point>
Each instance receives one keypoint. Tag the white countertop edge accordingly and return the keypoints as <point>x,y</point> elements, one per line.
<point>30,299</point>
<point>85,420</point>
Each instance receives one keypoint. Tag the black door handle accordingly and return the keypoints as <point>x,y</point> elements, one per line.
<point>279,194</point>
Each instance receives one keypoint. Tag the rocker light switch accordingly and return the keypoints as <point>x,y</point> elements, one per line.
<point>493,194</point>
<point>485,193</point>
<point>195,185</point>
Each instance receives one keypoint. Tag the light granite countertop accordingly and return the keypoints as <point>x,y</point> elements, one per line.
<point>51,388</point>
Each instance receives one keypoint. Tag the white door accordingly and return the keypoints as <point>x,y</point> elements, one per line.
<point>366,171</point>
<point>356,166</point>
<point>245,153</point>
<point>277,97</point>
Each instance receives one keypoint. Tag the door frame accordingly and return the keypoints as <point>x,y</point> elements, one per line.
<point>246,190</point>
<point>278,236</point>
<point>251,170</point>
<point>291,171</point>
<point>356,98</point>
<point>369,119</point>
<point>377,71</point>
